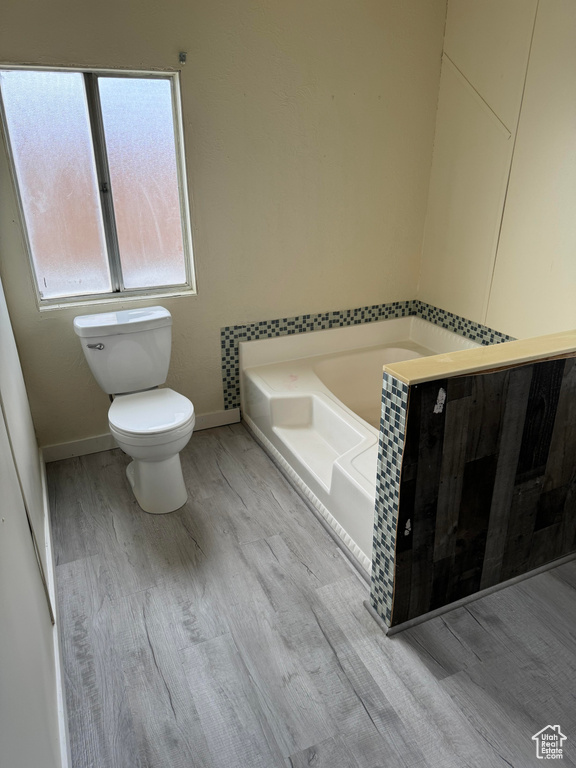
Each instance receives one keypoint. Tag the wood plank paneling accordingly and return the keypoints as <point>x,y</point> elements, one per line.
<point>482,432</point>
<point>539,422</point>
<point>451,477</point>
<point>561,465</point>
<point>471,534</point>
<point>488,484</point>
<point>431,440</point>
<point>513,418</point>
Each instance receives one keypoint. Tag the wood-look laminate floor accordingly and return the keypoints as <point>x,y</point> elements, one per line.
<point>232,634</point>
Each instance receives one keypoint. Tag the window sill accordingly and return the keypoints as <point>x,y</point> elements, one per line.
<point>78,301</point>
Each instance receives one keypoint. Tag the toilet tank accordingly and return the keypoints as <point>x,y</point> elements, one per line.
<point>127,351</point>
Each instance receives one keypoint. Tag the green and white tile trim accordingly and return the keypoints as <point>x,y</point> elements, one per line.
<point>390,451</point>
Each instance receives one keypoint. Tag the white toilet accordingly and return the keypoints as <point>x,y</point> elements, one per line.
<point>129,354</point>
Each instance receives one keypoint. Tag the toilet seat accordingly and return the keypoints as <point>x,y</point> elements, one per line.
<point>152,417</point>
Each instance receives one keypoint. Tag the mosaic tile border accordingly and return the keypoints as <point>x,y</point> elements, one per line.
<point>390,451</point>
<point>460,325</point>
<point>232,335</point>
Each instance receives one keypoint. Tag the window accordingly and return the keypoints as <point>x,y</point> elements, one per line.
<point>98,162</point>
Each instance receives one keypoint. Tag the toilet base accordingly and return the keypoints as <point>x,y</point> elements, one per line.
<point>158,485</point>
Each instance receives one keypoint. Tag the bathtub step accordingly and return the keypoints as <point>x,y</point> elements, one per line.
<point>366,464</point>
<point>310,448</point>
<point>315,430</point>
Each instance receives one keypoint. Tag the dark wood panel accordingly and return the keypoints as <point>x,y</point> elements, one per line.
<point>488,484</point>
<point>513,418</point>
<point>561,465</point>
<point>451,476</point>
<point>521,528</point>
<point>431,441</point>
<point>569,519</point>
<point>477,488</point>
<point>540,416</point>
<point>441,581</point>
<point>412,442</point>
<point>489,395</point>
<point>402,585</point>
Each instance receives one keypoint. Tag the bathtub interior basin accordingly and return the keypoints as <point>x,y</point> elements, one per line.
<point>355,377</point>
<point>314,402</point>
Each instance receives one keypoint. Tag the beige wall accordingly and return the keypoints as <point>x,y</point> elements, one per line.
<point>534,287</point>
<point>486,50</point>
<point>500,240</point>
<point>472,151</point>
<point>308,130</point>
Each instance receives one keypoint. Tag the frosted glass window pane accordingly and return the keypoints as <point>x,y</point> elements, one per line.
<point>51,144</point>
<point>140,143</point>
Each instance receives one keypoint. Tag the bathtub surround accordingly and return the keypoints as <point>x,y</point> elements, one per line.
<point>476,482</point>
<point>231,336</point>
<point>391,438</point>
<point>457,471</point>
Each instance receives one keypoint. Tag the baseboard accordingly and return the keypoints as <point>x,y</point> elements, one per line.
<point>106,442</point>
<point>78,447</point>
<point>217,419</point>
<point>65,758</point>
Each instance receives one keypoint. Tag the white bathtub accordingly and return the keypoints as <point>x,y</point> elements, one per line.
<point>314,401</point>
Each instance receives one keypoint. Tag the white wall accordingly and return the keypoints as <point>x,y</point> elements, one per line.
<point>500,240</point>
<point>308,131</point>
<point>472,152</point>
<point>534,288</point>
<point>489,41</point>
<point>29,728</point>
<point>14,404</point>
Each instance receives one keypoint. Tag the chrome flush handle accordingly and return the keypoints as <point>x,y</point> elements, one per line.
<point>95,346</point>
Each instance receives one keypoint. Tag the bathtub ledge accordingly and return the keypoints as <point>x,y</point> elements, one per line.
<point>483,359</point>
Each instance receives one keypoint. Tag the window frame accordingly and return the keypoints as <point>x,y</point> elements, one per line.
<point>118,294</point>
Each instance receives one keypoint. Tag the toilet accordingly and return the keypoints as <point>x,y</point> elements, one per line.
<point>129,355</point>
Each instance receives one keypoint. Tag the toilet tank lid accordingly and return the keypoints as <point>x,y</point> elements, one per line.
<point>124,321</point>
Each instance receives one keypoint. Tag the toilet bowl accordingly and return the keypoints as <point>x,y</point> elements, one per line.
<point>153,427</point>
<point>129,354</point>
